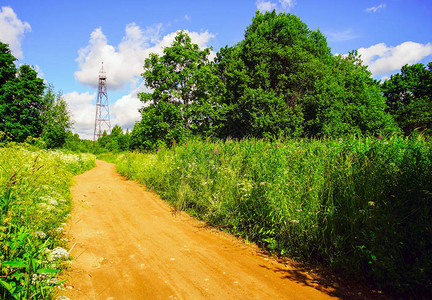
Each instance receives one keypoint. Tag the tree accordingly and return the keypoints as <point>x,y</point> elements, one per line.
<point>347,100</point>
<point>409,97</point>
<point>21,101</point>
<point>279,59</point>
<point>57,119</point>
<point>7,65</point>
<point>116,131</point>
<point>184,97</point>
<point>282,80</point>
<point>161,125</point>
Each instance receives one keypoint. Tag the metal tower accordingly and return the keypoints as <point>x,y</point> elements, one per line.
<point>102,108</point>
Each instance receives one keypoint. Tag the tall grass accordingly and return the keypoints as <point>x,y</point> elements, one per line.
<point>359,205</point>
<point>34,204</point>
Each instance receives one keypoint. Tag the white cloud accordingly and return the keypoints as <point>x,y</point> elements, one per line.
<point>82,112</point>
<point>12,30</point>
<point>382,59</point>
<point>124,63</point>
<point>340,36</point>
<point>265,5</point>
<point>285,5</point>
<point>125,110</point>
<point>375,9</point>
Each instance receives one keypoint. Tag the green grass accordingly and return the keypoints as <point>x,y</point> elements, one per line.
<point>34,204</point>
<point>359,205</point>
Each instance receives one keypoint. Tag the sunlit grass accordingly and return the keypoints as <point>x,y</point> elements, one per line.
<point>34,206</point>
<point>359,205</point>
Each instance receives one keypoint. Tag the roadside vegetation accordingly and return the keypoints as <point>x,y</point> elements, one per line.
<point>358,205</point>
<point>34,206</point>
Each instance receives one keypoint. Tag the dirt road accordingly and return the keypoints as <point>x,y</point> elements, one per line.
<point>129,245</point>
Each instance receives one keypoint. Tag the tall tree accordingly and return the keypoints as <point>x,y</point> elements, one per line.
<point>21,101</point>
<point>409,97</point>
<point>282,80</point>
<point>57,119</point>
<point>185,93</point>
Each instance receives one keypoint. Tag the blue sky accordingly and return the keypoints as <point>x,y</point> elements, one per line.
<point>67,40</point>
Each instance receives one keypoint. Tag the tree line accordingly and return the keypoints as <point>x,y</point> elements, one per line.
<point>280,81</point>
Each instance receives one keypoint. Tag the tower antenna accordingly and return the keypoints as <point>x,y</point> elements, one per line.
<point>102,118</point>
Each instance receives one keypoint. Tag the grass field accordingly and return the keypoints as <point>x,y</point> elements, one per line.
<point>359,205</point>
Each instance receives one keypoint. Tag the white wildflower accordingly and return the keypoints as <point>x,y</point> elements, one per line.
<point>53,280</point>
<point>34,279</point>
<point>40,234</point>
<point>295,221</point>
<point>57,253</point>
<point>52,202</point>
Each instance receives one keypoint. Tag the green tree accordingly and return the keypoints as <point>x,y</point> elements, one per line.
<point>279,61</point>
<point>185,87</point>
<point>57,119</point>
<point>7,65</point>
<point>116,131</point>
<point>21,101</point>
<point>282,80</point>
<point>161,125</point>
<point>347,100</point>
<point>409,97</point>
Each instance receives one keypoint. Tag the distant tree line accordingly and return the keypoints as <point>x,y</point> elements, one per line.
<point>281,81</point>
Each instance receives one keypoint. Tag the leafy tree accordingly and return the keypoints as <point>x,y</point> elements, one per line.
<point>21,101</point>
<point>279,58</point>
<point>347,100</point>
<point>161,125</point>
<point>116,131</point>
<point>409,97</point>
<point>185,88</point>
<point>21,105</point>
<point>57,119</point>
<point>282,80</point>
<point>7,65</point>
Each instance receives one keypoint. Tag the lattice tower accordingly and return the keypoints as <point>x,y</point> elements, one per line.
<point>102,118</point>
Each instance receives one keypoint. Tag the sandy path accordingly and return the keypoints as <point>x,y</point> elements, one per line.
<point>129,245</point>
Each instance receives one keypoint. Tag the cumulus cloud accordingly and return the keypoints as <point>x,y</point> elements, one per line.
<point>383,59</point>
<point>123,112</point>
<point>375,9</point>
<point>265,5</point>
<point>285,5</point>
<point>82,112</point>
<point>123,64</point>
<point>126,109</point>
<point>12,30</point>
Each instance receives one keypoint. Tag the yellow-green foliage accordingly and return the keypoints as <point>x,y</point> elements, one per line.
<point>34,204</point>
<point>361,205</point>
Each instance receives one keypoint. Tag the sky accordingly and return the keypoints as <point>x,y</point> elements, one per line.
<point>67,41</point>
